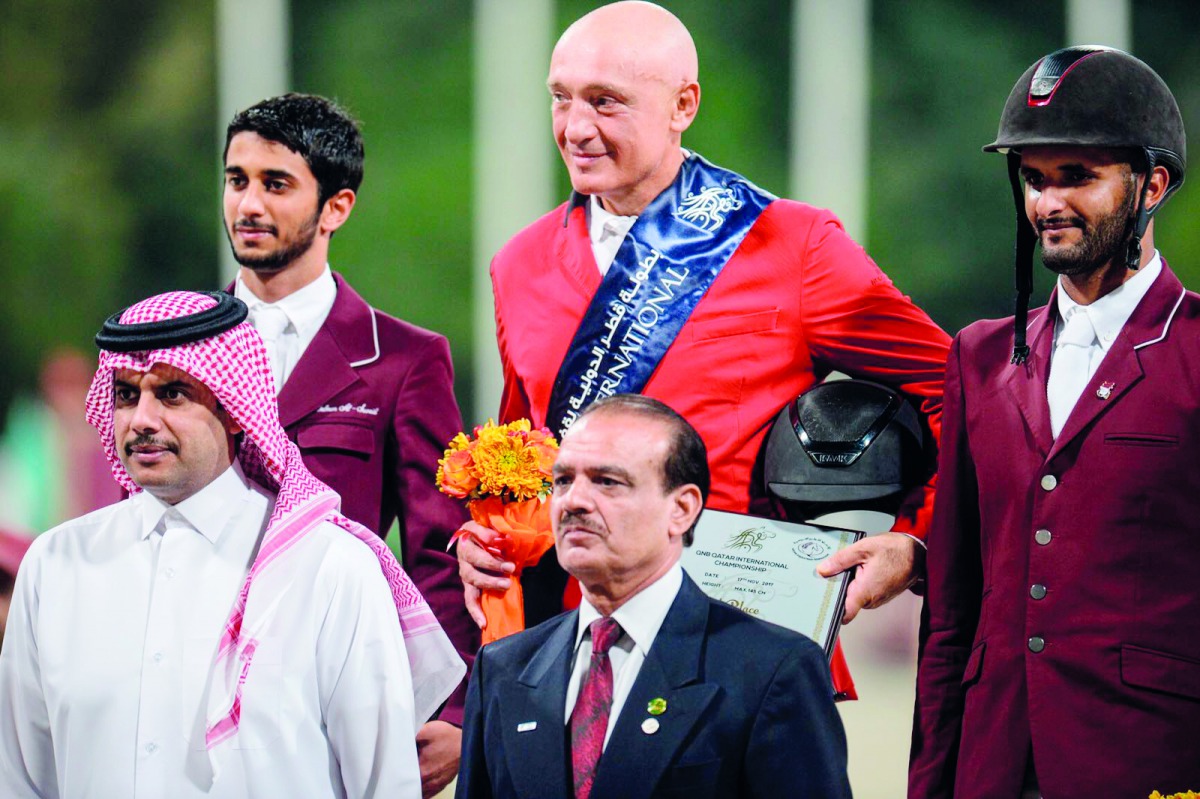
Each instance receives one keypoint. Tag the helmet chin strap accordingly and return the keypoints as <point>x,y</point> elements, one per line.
<point>1027,241</point>
<point>1023,258</point>
<point>1133,256</point>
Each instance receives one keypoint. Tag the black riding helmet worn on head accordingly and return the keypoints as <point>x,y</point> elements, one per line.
<point>1088,96</point>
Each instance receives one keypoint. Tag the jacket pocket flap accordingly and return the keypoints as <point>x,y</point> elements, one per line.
<point>734,325</point>
<point>974,664</point>
<point>1160,671</point>
<point>1141,440</point>
<point>352,437</point>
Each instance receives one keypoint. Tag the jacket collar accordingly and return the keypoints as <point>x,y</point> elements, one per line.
<point>531,715</point>
<point>573,247</point>
<point>1155,314</point>
<point>1121,368</point>
<point>642,747</point>
<point>352,324</point>
<point>634,760</point>
<point>1027,382</point>
<point>348,339</point>
<point>576,200</point>
<point>1118,372</point>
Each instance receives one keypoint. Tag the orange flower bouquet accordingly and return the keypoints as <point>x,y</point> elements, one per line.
<point>503,472</point>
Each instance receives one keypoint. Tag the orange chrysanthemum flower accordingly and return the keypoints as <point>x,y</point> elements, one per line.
<point>503,472</point>
<point>512,462</point>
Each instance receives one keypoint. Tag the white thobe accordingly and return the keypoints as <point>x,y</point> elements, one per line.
<point>113,633</point>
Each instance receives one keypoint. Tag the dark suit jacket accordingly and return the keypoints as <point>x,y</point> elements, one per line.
<point>749,713</point>
<point>371,406</point>
<point>1105,520</point>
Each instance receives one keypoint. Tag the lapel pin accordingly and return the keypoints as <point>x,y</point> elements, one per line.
<point>650,726</point>
<point>1105,390</point>
<point>527,726</point>
<point>657,706</point>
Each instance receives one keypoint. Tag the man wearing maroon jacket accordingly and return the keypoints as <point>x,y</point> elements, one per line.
<point>1060,643</point>
<point>367,397</point>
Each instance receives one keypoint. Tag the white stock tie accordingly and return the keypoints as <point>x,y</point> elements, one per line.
<point>270,322</point>
<point>1070,369</point>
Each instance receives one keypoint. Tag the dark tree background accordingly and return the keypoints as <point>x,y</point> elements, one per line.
<point>110,178</point>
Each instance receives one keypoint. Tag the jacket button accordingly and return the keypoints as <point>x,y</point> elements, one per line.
<point>1036,644</point>
<point>1049,481</point>
<point>1037,591</point>
<point>1042,537</point>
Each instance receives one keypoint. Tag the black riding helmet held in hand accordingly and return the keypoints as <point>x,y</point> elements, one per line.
<point>1088,96</point>
<point>845,444</point>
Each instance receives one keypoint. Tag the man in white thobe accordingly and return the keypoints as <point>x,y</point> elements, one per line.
<point>223,631</point>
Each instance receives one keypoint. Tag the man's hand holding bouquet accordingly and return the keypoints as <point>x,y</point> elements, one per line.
<point>504,474</point>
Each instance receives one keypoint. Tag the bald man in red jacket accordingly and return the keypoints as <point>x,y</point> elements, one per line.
<point>793,299</point>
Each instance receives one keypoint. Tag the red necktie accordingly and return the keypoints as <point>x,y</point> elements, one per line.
<point>589,719</point>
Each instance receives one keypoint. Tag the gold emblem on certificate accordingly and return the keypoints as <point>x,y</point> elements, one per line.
<point>768,569</point>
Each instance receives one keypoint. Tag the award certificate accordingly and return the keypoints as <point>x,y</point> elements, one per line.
<point>768,569</point>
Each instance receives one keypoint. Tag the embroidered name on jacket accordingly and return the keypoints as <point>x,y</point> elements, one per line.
<point>349,408</point>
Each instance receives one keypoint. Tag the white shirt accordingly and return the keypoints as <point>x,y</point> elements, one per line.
<point>606,232</point>
<point>1109,313</point>
<point>113,632</point>
<point>306,310</point>
<point>640,619</point>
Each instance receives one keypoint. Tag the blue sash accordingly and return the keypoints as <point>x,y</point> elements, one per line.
<point>672,254</point>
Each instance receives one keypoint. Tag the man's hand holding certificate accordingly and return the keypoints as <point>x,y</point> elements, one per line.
<point>768,569</point>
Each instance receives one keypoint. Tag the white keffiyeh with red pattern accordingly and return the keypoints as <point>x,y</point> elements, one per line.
<point>233,365</point>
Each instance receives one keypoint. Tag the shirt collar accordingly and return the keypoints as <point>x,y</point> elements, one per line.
<point>1110,313</point>
<point>642,614</point>
<point>208,511</point>
<point>579,200</point>
<point>603,225</point>
<point>305,308</point>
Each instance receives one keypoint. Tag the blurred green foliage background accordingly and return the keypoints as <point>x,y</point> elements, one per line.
<point>110,173</point>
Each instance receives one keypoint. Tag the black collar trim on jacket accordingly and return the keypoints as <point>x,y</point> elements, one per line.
<point>577,201</point>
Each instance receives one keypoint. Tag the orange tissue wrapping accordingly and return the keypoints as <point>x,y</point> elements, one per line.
<point>525,537</point>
